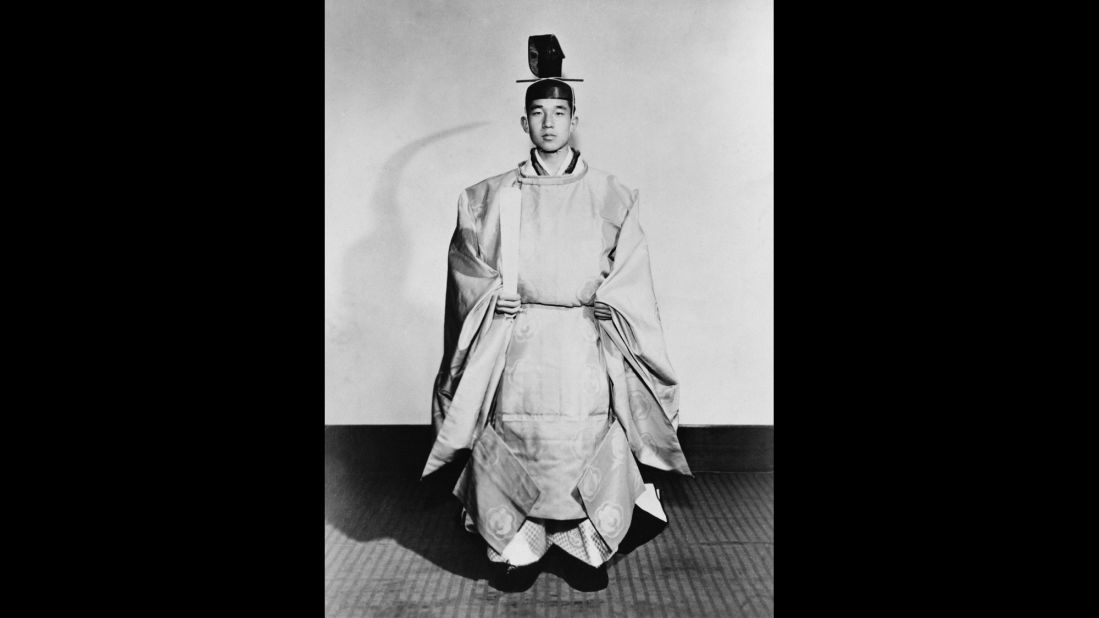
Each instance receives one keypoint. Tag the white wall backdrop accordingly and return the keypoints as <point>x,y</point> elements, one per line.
<point>421,102</point>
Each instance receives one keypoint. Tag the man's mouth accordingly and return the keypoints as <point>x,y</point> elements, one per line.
<point>549,135</point>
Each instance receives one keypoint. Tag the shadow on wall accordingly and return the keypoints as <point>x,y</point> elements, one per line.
<point>374,354</point>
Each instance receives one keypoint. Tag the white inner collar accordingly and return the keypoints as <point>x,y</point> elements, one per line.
<point>565,160</point>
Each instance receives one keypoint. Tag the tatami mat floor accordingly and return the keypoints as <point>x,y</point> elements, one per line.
<point>393,547</point>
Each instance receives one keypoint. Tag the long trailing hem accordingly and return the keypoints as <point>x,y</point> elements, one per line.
<point>578,538</point>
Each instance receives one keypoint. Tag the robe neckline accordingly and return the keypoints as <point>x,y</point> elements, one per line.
<point>552,180</point>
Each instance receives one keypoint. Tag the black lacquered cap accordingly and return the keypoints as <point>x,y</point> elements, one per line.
<point>550,89</point>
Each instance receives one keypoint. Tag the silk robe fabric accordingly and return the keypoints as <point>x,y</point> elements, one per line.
<point>551,400</point>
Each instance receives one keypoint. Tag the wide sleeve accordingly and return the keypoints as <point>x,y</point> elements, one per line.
<point>635,348</point>
<point>469,284</point>
<point>475,338</point>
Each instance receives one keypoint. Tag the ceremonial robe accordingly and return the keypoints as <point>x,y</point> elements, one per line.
<point>554,404</point>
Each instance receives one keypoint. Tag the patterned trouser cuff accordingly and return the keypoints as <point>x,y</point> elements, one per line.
<point>533,540</point>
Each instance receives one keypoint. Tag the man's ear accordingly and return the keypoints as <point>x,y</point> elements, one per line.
<point>575,121</point>
<point>523,122</point>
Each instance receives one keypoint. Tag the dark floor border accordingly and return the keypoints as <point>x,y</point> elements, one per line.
<point>709,448</point>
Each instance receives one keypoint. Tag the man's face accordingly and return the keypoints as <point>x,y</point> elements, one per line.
<point>550,123</point>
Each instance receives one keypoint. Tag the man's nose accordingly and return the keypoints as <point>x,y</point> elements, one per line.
<point>547,121</point>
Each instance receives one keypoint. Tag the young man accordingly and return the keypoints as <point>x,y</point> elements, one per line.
<point>562,385</point>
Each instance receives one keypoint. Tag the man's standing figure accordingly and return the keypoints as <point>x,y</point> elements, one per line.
<point>561,385</point>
